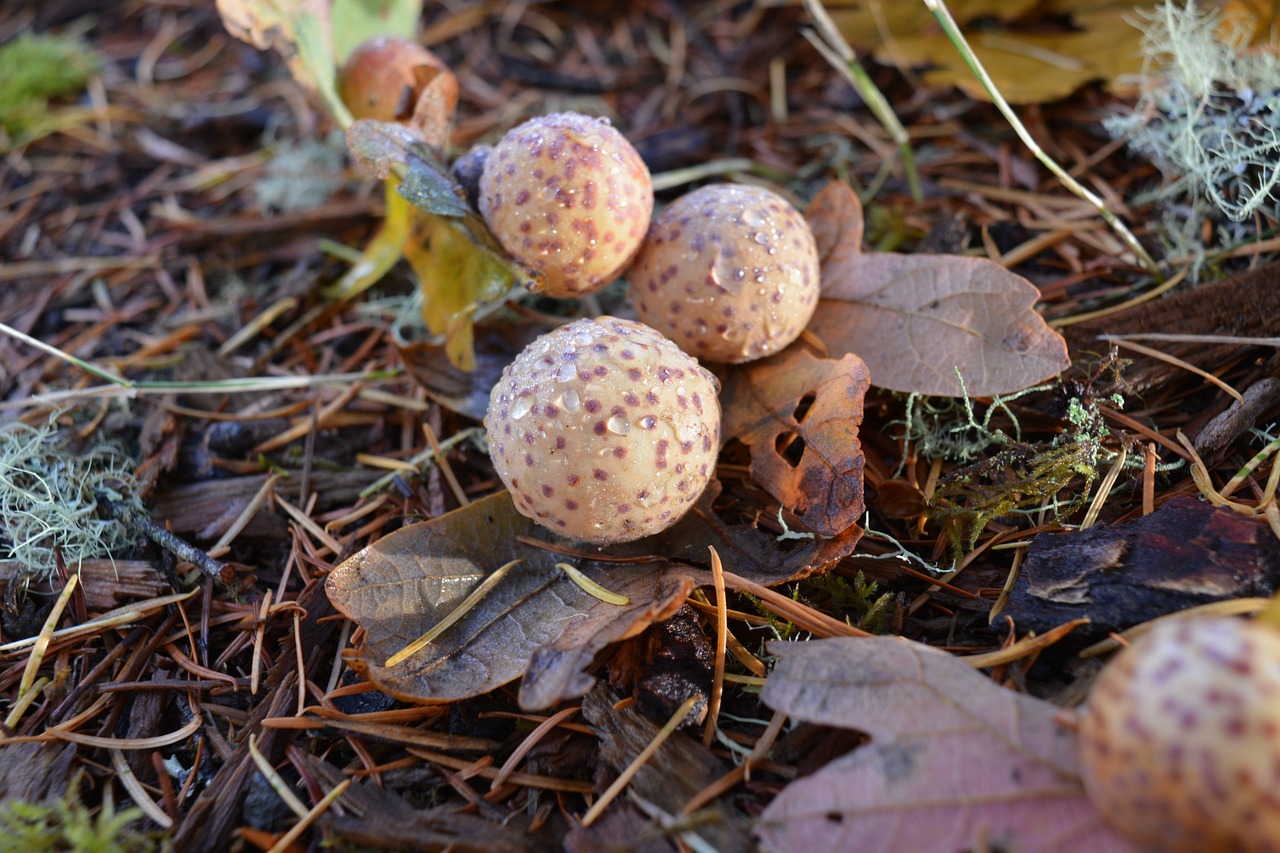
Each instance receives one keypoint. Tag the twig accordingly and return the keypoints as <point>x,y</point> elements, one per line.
<point>137,518</point>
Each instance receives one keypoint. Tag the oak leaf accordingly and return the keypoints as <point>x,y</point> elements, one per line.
<point>400,586</point>
<point>800,416</point>
<point>955,761</point>
<point>919,320</point>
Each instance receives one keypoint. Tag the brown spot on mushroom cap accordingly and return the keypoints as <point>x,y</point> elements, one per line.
<point>604,450</point>
<point>720,253</point>
<point>1178,740</point>
<point>574,178</point>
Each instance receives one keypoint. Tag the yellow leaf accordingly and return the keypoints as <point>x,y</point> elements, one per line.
<point>382,251</point>
<point>456,276</point>
<point>1030,60</point>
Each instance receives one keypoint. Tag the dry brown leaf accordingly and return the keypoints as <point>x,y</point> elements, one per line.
<point>956,762</point>
<point>800,416</point>
<point>403,584</point>
<point>1032,58</point>
<point>918,319</point>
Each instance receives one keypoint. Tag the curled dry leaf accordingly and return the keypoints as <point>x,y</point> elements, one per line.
<point>800,416</point>
<point>955,762</point>
<point>918,319</point>
<point>403,584</point>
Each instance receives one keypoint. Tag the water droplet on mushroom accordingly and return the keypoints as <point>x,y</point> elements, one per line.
<point>619,425</point>
<point>521,407</point>
<point>753,217</point>
<point>569,401</point>
<point>566,372</point>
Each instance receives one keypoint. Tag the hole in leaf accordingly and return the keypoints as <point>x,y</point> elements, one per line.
<point>790,446</point>
<point>834,817</point>
<point>803,406</point>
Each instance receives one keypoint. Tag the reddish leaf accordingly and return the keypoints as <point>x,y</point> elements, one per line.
<point>956,762</point>
<point>918,319</point>
<point>403,584</point>
<point>800,415</point>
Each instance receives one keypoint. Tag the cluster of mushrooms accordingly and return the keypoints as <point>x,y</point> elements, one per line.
<point>606,430</point>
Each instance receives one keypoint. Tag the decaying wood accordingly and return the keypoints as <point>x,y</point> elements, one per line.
<point>677,771</point>
<point>106,584</point>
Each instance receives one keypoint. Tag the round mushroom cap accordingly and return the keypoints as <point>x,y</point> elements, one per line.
<point>384,77</point>
<point>567,195</point>
<point>729,272</point>
<point>604,431</point>
<point>1180,740</point>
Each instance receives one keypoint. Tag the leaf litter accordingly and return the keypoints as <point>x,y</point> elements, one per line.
<point>132,238</point>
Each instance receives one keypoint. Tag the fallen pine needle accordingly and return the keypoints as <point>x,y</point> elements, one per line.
<point>138,793</point>
<point>513,761</point>
<point>274,779</point>
<point>592,588</point>
<point>611,794</point>
<point>722,632</point>
<point>458,612</point>
<point>1024,647</point>
<point>46,634</point>
<point>1175,361</point>
<point>286,840</point>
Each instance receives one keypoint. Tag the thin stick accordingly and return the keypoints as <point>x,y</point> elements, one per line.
<point>612,792</point>
<point>952,29</point>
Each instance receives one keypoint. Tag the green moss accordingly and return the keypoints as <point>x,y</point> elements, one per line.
<point>1023,477</point>
<point>37,68</point>
<point>69,825</point>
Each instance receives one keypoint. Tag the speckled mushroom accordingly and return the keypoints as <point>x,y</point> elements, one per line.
<point>1180,739</point>
<point>729,272</point>
<point>567,195</point>
<point>604,431</point>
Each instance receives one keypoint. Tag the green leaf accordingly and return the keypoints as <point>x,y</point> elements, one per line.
<point>299,30</point>
<point>381,148</point>
<point>355,21</point>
